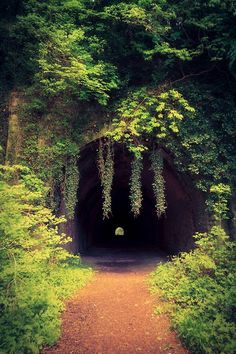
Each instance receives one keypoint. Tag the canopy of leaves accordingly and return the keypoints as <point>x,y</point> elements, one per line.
<point>110,50</point>
<point>93,50</point>
<point>145,40</point>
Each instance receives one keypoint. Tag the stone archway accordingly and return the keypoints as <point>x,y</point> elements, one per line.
<point>172,232</point>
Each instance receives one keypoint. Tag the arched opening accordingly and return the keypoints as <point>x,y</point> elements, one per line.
<point>171,233</point>
<point>119,231</point>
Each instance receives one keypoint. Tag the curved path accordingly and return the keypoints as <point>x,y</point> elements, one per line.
<point>114,314</point>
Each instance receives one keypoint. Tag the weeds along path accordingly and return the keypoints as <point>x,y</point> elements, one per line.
<point>114,314</point>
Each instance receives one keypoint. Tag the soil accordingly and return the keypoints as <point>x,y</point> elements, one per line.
<point>114,314</point>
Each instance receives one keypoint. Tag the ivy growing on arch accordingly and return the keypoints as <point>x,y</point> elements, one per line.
<point>148,115</point>
<point>144,117</point>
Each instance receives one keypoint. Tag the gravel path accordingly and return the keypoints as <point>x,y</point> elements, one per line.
<point>114,313</point>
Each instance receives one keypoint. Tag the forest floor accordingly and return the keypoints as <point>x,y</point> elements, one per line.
<point>114,313</point>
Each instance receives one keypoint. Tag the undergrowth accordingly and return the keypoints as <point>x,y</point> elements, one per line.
<point>198,290</point>
<point>36,272</point>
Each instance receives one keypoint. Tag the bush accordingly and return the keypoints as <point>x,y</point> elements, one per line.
<point>36,272</point>
<point>200,287</point>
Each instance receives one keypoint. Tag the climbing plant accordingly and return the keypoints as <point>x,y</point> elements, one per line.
<point>148,114</point>
<point>158,182</point>
<point>136,186</point>
<point>71,184</point>
<point>106,171</point>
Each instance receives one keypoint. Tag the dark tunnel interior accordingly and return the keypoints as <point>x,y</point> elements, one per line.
<point>138,232</point>
<point>171,233</point>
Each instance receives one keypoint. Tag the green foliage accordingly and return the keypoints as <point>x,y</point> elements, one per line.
<point>232,58</point>
<point>159,182</point>
<point>106,172</point>
<point>56,54</point>
<point>145,40</point>
<point>37,273</point>
<point>200,288</point>
<point>218,201</point>
<point>65,67</point>
<point>56,164</point>
<point>71,184</point>
<point>158,59</point>
<point>136,186</point>
<point>147,115</point>
<point>205,146</point>
<point>49,159</point>
<point>145,54</point>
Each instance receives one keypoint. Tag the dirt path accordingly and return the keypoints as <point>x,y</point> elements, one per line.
<point>114,313</point>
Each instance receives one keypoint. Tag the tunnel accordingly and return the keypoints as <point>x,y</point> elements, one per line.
<point>171,232</point>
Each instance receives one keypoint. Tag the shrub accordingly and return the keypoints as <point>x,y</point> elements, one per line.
<point>36,272</point>
<point>200,287</point>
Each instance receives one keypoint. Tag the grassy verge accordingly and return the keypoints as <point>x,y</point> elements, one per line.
<point>32,320</point>
<point>198,290</point>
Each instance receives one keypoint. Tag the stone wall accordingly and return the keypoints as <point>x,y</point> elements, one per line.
<point>186,206</point>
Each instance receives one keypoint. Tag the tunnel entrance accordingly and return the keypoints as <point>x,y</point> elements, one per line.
<point>141,232</point>
<point>171,233</point>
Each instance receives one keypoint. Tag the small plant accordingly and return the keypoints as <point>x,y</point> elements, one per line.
<point>218,201</point>
<point>136,186</point>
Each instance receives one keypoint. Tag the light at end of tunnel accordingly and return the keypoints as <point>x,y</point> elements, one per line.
<point>119,231</point>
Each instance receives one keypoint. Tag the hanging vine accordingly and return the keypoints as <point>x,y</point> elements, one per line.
<point>136,186</point>
<point>159,182</point>
<point>106,172</point>
<point>101,161</point>
<point>71,184</point>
